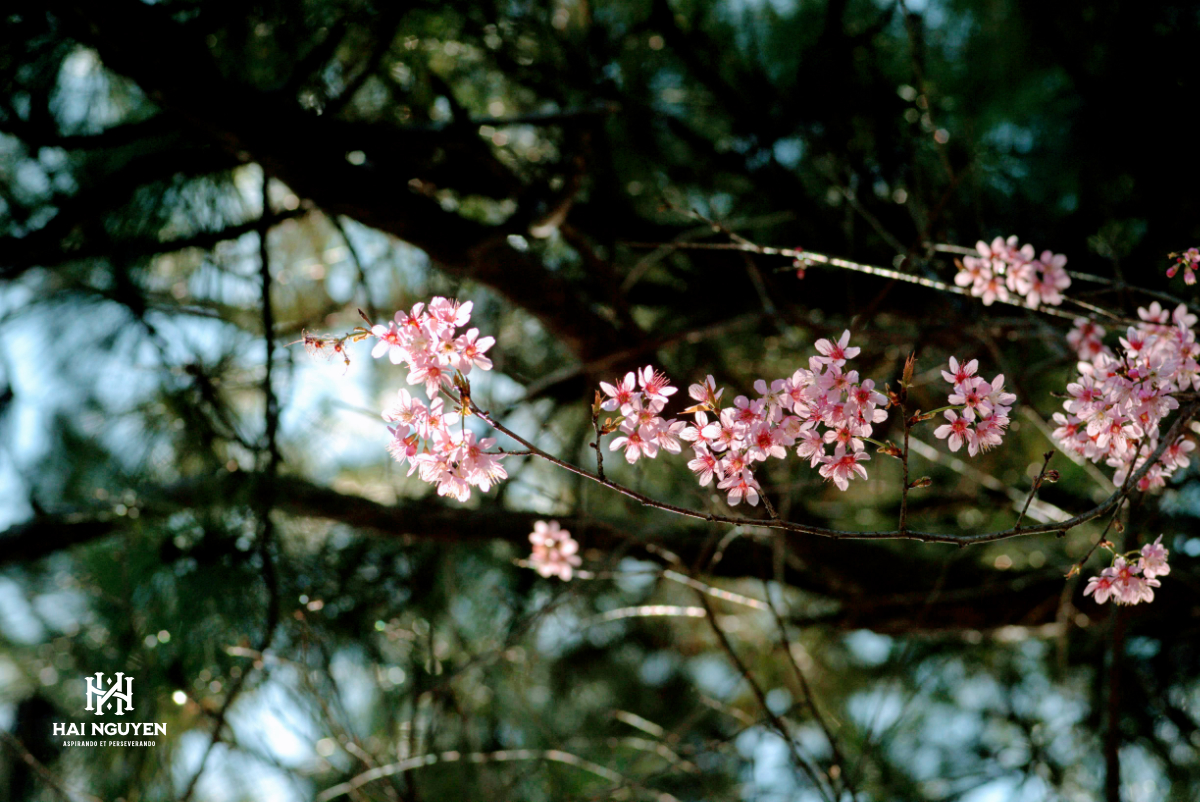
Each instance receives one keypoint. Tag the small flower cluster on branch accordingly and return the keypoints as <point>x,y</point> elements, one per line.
<point>985,407</point>
<point>814,410</point>
<point>1189,260</point>
<point>427,342</point>
<point>1115,405</point>
<point>1130,582</point>
<point>811,410</point>
<point>1002,268</point>
<point>643,432</point>
<point>555,553</point>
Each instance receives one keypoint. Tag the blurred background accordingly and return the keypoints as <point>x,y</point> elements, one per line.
<point>188,497</point>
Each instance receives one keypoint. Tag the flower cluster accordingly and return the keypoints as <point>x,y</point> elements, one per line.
<point>643,432</point>
<point>815,408</point>
<point>1114,407</point>
<point>1128,582</point>
<point>554,551</point>
<point>1002,268</point>
<point>427,341</point>
<point>985,407</point>
<point>1189,260</point>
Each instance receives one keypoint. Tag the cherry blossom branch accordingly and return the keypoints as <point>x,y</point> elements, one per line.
<point>806,258</point>
<point>814,257</point>
<point>665,573</point>
<point>1114,286</point>
<point>1103,508</point>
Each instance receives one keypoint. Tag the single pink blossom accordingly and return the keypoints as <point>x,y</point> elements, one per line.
<point>1153,560</point>
<point>960,373</point>
<point>656,386</point>
<point>959,432</point>
<point>1100,587</point>
<point>619,395</point>
<point>836,353</point>
<point>389,343</point>
<point>470,350</point>
<point>741,485</point>
<point>842,465</point>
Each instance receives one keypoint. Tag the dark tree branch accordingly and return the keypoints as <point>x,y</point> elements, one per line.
<point>78,230</point>
<point>872,583</point>
<point>392,191</point>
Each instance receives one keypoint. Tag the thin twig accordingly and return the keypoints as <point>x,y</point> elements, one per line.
<point>815,258</point>
<point>1037,483</point>
<point>598,446</point>
<point>809,698</point>
<point>358,264</point>
<point>776,722</point>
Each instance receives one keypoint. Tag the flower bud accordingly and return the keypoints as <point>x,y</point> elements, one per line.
<point>890,449</point>
<point>924,481</point>
<point>611,425</point>
<point>1051,476</point>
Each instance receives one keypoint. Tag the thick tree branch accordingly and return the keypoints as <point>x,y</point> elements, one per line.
<point>872,583</point>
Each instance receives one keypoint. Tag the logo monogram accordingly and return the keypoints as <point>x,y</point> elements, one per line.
<point>96,693</point>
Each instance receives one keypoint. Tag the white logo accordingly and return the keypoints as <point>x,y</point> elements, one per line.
<point>96,693</point>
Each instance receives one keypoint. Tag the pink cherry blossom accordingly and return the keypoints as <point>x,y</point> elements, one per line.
<point>656,387</point>
<point>638,442</point>
<point>1002,268</point>
<point>1100,587</point>
<point>960,373</point>
<point>470,349</point>
<point>389,343</point>
<point>450,313</point>
<point>1118,400</point>
<point>1153,561</point>
<point>705,466</point>
<point>1189,260</point>
<point>706,392</point>
<point>554,551</point>
<point>842,465</point>
<point>619,395</point>
<point>959,432</point>
<point>836,353</point>
<point>741,485</point>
